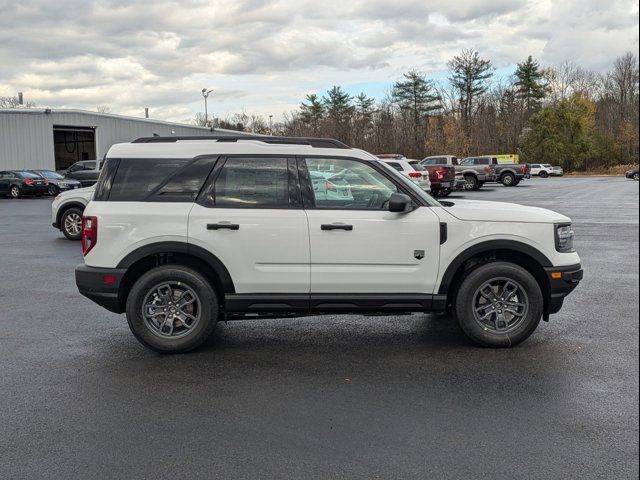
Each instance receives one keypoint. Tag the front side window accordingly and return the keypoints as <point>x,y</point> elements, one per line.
<point>344,184</point>
<point>252,182</point>
<point>467,161</point>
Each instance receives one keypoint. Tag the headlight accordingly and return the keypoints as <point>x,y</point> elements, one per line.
<point>564,238</point>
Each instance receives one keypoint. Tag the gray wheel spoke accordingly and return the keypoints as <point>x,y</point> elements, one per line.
<point>500,305</point>
<point>171,309</point>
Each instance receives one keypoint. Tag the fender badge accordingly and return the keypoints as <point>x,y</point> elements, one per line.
<point>418,254</point>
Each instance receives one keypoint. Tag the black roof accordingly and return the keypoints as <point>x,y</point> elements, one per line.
<point>314,142</point>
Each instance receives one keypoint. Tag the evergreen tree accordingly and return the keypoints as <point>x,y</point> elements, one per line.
<point>312,113</point>
<point>417,96</point>
<point>530,85</point>
<point>339,109</point>
<point>469,75</point>
<point>363,118</point>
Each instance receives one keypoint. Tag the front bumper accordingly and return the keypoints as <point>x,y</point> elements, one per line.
<point>102,285</point>
<point>562,281</point>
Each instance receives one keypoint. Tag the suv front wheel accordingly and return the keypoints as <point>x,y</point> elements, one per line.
<point>499,304</point>
<point>172,309</point>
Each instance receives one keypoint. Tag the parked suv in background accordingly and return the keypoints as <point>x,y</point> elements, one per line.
<point>541,170</point>
<point>86,172</point>
<point>182,233</point>
<point>415,173</point>
<point>67,209</point>
<point>16,183</point>
<point>508,174</point>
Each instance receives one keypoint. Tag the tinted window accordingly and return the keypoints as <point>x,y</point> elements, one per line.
<point>52,175</point>
<point>28,175</point>
<point>185,184</point>
<point>395,165</point>
<point>90,166</point>
<point>252,182</point>
<point>348,184</point>
<point>136,178</point>
<point>417,167</point>
<point>467,161</point>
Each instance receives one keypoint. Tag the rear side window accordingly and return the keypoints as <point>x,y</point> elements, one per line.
<point>136,178</point>
<point>28,175</point>
<point>252,182</point>
<point>395,165</point>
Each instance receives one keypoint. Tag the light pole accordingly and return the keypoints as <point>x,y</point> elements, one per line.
<point>205,94</point>
<point>270,124</point>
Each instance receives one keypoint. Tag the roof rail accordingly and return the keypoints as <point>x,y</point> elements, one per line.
<point>313,142</point>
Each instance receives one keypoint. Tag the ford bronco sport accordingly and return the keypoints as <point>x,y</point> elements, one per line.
<point>184,232</point>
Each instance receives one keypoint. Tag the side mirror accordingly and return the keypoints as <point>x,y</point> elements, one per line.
<point>400,203</point>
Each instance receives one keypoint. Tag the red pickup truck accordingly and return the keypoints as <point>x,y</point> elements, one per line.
<point>443,178</point>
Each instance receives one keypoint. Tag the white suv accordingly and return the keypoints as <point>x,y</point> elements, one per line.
<point>66,211</point>
<point>542,170</point>
<point>182,233</point>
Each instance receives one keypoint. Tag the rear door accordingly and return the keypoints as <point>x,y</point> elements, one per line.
<point>250,216</point>
<point>357,245</point>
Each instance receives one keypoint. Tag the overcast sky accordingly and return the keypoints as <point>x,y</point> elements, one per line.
<point>264,56</point>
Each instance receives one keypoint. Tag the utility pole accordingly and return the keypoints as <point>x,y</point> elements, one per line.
<point>205,94</point>
<point>270,124</point>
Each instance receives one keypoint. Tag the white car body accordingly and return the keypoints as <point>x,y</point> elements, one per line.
<point>79,198</point>
<point>405,168</point>
<point>538,168</point>
<point>345,253</point>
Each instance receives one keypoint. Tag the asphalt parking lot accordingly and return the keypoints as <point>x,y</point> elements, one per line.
<point>336,397</point>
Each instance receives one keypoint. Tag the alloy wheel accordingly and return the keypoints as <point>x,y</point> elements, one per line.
<point>15,192</point>
<point>73,224</point>
<point>171,309</point>
<point>500,305</point>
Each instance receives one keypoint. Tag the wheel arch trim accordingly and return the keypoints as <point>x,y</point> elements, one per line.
<point>486,247</point>
<point>184,248</point>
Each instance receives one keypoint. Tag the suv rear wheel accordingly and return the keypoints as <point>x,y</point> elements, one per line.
<point>499,305</point>
<point>172,309</point>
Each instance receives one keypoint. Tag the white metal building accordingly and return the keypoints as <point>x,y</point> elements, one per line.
<point>36,138</point>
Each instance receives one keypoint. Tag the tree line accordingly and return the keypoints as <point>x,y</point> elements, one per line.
<point>563,115</point>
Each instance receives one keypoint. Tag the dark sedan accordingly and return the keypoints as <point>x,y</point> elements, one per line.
<point>57,183</point>
<point>16,183</point>
<point>633,174</point>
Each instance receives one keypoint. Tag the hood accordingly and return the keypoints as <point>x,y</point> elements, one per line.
<point>77,191</point>
<point>480,210</point>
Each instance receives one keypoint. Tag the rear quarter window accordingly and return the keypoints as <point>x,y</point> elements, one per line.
<point>136,178</point>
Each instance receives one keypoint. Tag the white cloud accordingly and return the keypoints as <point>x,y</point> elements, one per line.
<point>264,56</point>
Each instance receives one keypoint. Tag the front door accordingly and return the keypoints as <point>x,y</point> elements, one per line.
<point>357,245</point>
<point>251,218</point>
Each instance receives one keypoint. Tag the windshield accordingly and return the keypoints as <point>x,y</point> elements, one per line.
<point>49,174</point>
<point>432,202</point>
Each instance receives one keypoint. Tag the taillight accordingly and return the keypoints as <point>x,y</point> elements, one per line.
<point>46,182</point>
<point>524,169</point>
<point>440,173</point>
<point>415,174</point>
<point>89,233</point>
<point>27,181</point>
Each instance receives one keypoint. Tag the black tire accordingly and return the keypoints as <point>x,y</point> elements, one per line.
<point>480,185</point>
<point>14,191</point>
<point>182,277</point>
<point>69,223</point>
<point>470,182</point>
<point>543,174</point>
<point>444,192</point>
<point>53,190</point>
<point>485,334</point>
<point>509,180</point>
<point>636,177</point>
